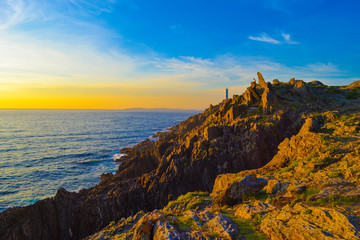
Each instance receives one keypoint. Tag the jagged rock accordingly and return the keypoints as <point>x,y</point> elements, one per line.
<point>353,85</point>
<point>213,132</point>
<point>195,235</point>
<point>262,82</point>
<point>182,160</point>
<point>222,225</point>
<point>250,95</point>
<point>317,83</point>
<point>235,193</point>
<point>267,101</point>
<point>301,89</point>
<point>292,81</point>
<point>163,230</point>
<point>304,222</point>
<point>277,186</point>
<point>276,81</point>
<point>310,125</point>
<point>235,112</point>
<point>249,210</point>
<point>145,227</point>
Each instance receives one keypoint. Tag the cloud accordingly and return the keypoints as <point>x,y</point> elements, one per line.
<point>287,39</point>
<point>264,38</point>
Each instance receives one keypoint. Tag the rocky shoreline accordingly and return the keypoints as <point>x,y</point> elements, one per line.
<point>247,138</point>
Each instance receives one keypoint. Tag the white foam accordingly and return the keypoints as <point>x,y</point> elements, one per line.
<point>118,156</point>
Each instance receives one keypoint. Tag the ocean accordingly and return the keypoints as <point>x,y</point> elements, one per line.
<point>43,150</point>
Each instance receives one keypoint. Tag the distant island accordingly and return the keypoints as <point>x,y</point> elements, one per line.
<point>280,161</point>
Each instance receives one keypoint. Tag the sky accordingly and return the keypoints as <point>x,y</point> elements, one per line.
<point>116,54</point>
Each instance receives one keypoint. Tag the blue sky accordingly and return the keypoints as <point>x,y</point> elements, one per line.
<point>170,49</point>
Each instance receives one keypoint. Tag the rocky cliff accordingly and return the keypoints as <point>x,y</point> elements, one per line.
<point>269,138</point>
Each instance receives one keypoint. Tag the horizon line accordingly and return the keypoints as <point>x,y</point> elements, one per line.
<point>110,109</point>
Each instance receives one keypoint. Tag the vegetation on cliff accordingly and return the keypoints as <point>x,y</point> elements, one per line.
<point>281,162</point>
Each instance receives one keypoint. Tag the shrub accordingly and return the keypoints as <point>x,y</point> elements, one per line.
<point>352,95</point>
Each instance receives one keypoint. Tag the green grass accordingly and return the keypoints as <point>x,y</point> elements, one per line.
<point>324,139</point>
<point>308,211</point>
<point>251,197</point>
<point>185,223</point>
<point>333,90</point>
<point>189,200</point>
<point>352,95</point>
<point>247,228</point>
<point>293,165</point>
<point>309,193</point>
<point>336,200</point>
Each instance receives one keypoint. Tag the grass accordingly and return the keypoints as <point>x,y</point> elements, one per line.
<point>190,200</point>
<point>324,139</point>
<point>247,228</point>
<point>293,165</point>
<point>251,197</point>
<point>352,95</point>
<point>185,223</point>
<point>333,90</point>
<point>309,193</point>
<point>336,200</point>
<point>308,211</point>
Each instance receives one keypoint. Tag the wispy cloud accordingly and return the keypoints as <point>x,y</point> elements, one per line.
<point>287,39</point>
<point>265,38</point>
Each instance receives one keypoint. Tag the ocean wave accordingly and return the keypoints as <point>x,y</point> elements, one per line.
<point>118,156</point>
<point>92,162</point>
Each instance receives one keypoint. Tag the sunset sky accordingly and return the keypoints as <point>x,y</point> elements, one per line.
<point>115,54</point>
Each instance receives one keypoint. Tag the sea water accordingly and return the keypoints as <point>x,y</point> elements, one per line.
<point>43,150</point>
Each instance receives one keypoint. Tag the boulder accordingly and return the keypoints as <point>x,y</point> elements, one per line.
<point>235,193</point>
<point>223,226</point>
<point>305,222</point>
<point>249,210</point>
<point>276,186</point>
<point>163,230</point>
<point>145,227</point>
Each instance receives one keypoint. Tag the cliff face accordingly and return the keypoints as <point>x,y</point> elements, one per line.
<point>238,134</point>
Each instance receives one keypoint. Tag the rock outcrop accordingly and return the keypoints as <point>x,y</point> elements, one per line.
<point>284,139</point>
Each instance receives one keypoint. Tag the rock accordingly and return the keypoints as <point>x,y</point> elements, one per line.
<point>106,176</point>
<point>354,85</point>
<point>250,95</point>
<point>304,222</point>
<point>292,81</point>
<point>301,89</point>
<point>213,132</point>
<point>276,186</point>
<point>310,125</point>
<point>163,230</point>
<point>317,83</point>
<point>262,82</point>
<point>235,193</point>
<point>276,81</point>
<point>249,210</point>
<point>223,226</point>
<point>267,101</point>
<point>195,235</point>
<point>145,227</point>
<point>235,112</point>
